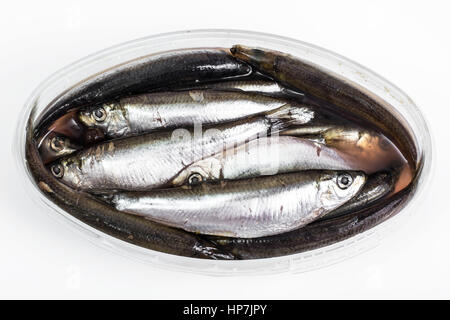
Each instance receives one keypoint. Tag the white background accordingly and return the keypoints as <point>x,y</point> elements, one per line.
<point>406,42</point>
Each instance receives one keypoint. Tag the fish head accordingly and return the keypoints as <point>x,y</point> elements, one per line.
<point>355,140</point>
<point>53,146</point>
<point>370,151</point>
<point>206,169</point>
<point>108,117</point>
<point>67,170</point>
<point>264,59</point>
<point>338,187</point>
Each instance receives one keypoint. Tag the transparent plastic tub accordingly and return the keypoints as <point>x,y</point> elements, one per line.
<point>72,74</point>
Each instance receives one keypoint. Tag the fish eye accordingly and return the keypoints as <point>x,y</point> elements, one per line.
<point>57,170</point>
<point>99,114</point>
<point>195,178</point>
<point>344,180</point>
<point>57,144</point>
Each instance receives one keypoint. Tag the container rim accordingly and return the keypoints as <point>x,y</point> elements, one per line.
<point>298,262</point>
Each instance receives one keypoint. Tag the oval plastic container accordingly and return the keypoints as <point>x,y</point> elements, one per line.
<point>313,259</point>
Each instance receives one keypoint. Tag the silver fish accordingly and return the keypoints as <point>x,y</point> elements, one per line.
<point>152,160</point>
<point>266,156</point>
<point>147,73</point>
<point>149,112</point>
<point>247,208</point>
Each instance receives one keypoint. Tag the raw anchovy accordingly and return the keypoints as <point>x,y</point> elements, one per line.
<point>145,74</point>
<point>103,217</point>
<point>149,112</point>
<point>152,160</point>
<point>266,156</point>
<point>377,186</point>
<point>247,208</point>
<point>348,96</point>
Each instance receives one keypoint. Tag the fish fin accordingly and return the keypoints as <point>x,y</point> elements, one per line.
<point>288,115</point>
<point>292,93</point>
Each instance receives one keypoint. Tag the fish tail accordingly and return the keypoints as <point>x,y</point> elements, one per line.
<point>288,115</point>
